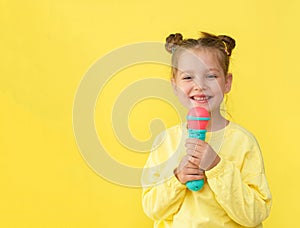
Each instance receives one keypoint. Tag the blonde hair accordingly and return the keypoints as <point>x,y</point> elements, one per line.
<point>222,45</point>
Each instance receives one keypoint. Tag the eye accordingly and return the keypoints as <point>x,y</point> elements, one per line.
<point>187,76</point>
<point>211,77</point>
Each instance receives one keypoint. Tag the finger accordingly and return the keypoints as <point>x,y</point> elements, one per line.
<point>185,163</point>
<point>189,167</point>
<point>194,172</point>
<point>194,141</point>
<point>193,164</point>
<point>194,153</point>
<point>197,150</point>
<point>193,147</point>
<point>189,161</point>
<point>194,160</point>
<point>188,178</point>
<point>189,174</point>
<point>193,169</point>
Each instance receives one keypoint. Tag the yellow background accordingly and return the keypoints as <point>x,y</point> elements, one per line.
<point>47,46</point>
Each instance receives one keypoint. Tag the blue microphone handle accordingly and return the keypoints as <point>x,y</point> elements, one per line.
<point>196,185</point>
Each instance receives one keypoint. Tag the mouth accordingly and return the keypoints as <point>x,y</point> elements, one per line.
<point>201,99</point>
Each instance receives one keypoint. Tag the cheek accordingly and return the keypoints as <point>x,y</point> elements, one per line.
<point>183,88</point>
<point>219,86</point>
<point>215,86</point>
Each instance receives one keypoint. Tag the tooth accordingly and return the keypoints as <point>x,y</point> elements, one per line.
<point>200,98</point>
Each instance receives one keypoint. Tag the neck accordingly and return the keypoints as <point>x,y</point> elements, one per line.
<point>217,121</point>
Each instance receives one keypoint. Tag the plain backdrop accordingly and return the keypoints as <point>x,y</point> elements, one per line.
<point>46,47</point>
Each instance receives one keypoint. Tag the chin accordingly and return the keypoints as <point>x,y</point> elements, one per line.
<point>201,104</point>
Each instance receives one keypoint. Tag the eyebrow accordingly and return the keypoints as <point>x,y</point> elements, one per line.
<point>213,69</point>
<point>185,71</point>
<point>189,71</point>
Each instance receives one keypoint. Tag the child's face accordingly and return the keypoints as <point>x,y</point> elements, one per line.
<point>200,80</point>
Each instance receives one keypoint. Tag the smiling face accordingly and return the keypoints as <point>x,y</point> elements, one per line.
<point>200,80</point>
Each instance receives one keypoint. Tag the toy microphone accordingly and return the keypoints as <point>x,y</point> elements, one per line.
<point>197,120</point>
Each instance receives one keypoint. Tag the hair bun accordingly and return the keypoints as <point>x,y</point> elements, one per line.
<point>172,41</point>
<point>230,43</point>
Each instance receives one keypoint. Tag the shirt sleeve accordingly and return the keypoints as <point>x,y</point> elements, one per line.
<point>162,193</point>
<point>242,191</point>
<point>164,200</point>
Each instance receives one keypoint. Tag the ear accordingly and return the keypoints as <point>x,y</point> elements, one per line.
<point>228,82</point>
<point>174,86</point>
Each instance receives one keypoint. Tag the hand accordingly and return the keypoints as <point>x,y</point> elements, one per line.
<point>201,154</point>
<point>187,171</point>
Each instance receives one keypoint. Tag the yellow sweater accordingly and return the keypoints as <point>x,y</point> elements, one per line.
<point>235,194</point>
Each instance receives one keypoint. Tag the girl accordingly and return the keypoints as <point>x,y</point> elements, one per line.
<point>236,192</point>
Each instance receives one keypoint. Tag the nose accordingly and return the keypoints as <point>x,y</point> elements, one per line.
<point>199,83</point>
